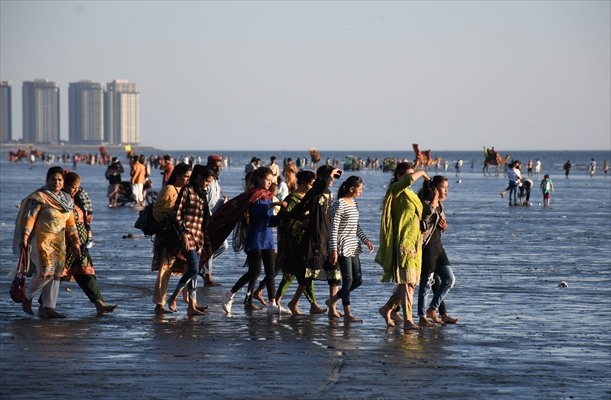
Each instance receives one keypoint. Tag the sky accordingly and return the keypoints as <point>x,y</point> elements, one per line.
<point>283,75</point>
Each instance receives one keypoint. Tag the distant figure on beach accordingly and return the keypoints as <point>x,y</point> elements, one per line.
<point>567,168</point>
<point>524,194</point>
<point>457,166</point>
<point>289,172</point>
<point>592,168</point>
<point>251,166</point>
<point>138,177</point>
<point>514,175</point>
<point>400,252</point>
<point>473,163</point>
<point>537,167</point>
<point>166,166</point>
<point>529,167</point>
<point>547,186</point>
<point>274,167</point>
<point>446,164</point>
<point>344,243</point>
<point>434,258</point>
<point>113,174</point>
<point>606,167</point>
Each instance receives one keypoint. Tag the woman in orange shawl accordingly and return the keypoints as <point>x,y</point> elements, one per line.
<point>44,221</point>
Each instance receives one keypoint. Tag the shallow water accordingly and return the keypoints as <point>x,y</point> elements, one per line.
<point>520,335</point>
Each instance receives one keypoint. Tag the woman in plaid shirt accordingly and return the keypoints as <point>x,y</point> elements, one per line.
<point>192,215</point>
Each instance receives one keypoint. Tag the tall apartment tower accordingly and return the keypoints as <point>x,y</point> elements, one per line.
<point>40,111</point>
<point>122,116</point>
<point>6,112</point>
<point>86,112</point>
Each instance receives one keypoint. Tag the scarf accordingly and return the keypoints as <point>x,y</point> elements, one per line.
<point>226,217</point>
<point>62,202</point>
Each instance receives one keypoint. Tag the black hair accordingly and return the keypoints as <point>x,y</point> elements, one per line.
<point>201,170</point>
<point>180,169</point>
<point>56,170</point>
<point>259,173</point>
<point>400,169</point>
<point>70,178</point>
<point>426,193</point>
<point>352,182</point>
<point>304,176</point>
<point>324,171</point>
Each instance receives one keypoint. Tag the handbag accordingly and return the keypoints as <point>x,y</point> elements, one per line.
<point>18,286</point>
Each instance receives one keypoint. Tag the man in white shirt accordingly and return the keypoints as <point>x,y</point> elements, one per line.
<point>216,198</point>
<point>274,167</point>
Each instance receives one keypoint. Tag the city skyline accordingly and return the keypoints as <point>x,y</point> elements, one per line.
<point>335,75</point>
<point>96,115</point>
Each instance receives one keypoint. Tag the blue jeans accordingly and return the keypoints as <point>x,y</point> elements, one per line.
<point>350,268</point>
<point>189,278</point>
<point>513,189</point>
<point>207,269</point>
<point>426,282</point>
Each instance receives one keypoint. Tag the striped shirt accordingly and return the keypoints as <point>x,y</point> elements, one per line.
<point>345,229</point>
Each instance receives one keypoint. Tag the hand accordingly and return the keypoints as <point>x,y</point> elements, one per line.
<point>442,224</point>
<point>370,247</point>
<point>282,204</point>
<point>76,249</point>
<point>186,243</point>
<point>24,242</point>
<point>333,257</point>
<point>88,219</point>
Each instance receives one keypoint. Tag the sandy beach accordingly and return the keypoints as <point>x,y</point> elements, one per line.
<point>520,335</point>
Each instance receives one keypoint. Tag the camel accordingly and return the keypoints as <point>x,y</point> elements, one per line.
<point>315,157</point>
<point>492,157</point>
<point>423,159</point>
<point>18,156</point>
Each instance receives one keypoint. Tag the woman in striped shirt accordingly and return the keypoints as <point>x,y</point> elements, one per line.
<point>344,243</point>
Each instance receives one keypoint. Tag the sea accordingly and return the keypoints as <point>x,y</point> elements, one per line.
<point>533,284</point>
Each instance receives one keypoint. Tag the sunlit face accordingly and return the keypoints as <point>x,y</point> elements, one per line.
<point>207,182</point>
<point>73,188</point>
<point>311,184</point>
<point>55,182</point>
<point>443,190</point>
<point>182,180</point>
<point>356,191</point>
<point>265,181</point>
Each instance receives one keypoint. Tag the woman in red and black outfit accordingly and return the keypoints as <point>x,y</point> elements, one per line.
<point>192,215</point>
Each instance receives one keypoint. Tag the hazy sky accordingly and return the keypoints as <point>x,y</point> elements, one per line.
<point>333,75</point>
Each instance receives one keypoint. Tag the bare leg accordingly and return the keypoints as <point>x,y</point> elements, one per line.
<point>331,304</point>
<point>293,305</point>
<point>432,314</point>
<point>407,297</point>
<point>193,308</point>
<point>348,317</point>
<point>208,281</point>
<point>385,312</point>
<point>258,295</point>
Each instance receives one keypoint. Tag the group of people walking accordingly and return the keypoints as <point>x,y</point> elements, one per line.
<point>318,238</point>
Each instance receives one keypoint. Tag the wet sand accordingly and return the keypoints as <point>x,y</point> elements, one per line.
<point>520,335</point>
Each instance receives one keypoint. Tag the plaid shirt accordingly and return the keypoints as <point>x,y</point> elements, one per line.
<point>191,213</point>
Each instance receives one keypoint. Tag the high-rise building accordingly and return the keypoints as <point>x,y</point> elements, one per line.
<point>6,112</point>
<point>122,113</point>
<point>40,111</point>
<point>86,112</point>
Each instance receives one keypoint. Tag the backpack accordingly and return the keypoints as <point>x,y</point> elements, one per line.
<point>147,223</point>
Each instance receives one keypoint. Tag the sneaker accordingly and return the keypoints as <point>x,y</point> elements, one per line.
<point>227,302</point>
<point>284,310</point>
<point>272,308</point>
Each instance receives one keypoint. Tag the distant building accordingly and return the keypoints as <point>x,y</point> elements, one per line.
<point>40,111</point>
<point>86,112</point>
<point>6,112</point>
<point>122,113</point>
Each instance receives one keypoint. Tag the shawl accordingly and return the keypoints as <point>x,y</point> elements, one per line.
<point>62,202</point>
<point>226,217</point>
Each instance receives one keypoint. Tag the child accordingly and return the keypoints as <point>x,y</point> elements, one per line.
<point>547,186</point>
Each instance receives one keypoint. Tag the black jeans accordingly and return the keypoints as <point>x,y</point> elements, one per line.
<point>255,258</point>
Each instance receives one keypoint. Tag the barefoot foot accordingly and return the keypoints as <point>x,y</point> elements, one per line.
<point>160,310</point>
<point>394,314</point>
<point>294,307</point>
<point>194,311</point>
<point>411,326</point>
<point>449,320</point>
<point>251,306</point>
<point>432,314</point>
<point>315,309</point>
<point>257,295</point>
<point>351,318</point>
<point>425,322</point>
<point>332,311</point>
<point>385,312</point>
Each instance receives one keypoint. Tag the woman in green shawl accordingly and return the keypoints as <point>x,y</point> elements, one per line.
<point>400,251</point>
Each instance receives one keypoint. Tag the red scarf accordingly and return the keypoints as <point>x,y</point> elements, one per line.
<point>226,217</point>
